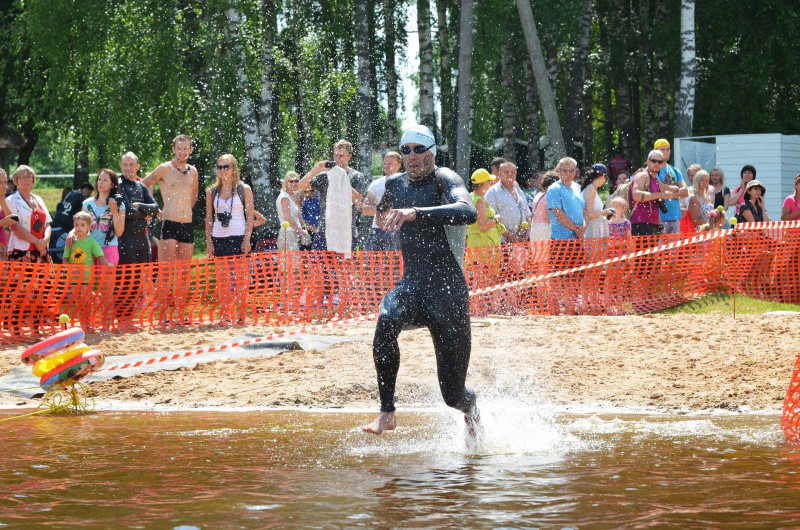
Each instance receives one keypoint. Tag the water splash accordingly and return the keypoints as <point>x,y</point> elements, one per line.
<point>510,427</point>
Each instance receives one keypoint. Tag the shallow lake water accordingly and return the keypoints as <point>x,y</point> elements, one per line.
<point>316,469</point>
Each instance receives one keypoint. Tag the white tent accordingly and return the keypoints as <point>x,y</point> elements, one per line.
<point>776,158</point>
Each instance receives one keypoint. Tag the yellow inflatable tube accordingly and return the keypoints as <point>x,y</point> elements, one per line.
<point>48,363</point>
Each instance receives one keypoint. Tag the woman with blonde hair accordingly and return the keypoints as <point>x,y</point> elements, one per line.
<point>722,193</point>
<point>30,238</point>
<point>229,211</point>
<point>701,201</point>
<point>289,214</point>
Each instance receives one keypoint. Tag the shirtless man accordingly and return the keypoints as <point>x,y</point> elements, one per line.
<point>178,183</point>
<point>433,292</point>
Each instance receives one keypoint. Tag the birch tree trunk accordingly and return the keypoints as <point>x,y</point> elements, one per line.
<point>463,126</point>
<point>684,101</point>
<point>661,82</point>
<point>624,73</point>
<point>391,71</point>
<point>509,113</point>
<point>546,95</point>
<point>263,193</point>
<point>427,115</point>
<point>573,118</point>
<point>349,62</point>
<point>374,106</point>
<point>445,75</point>
<point>585,131</point>
<point>364,155</point>
<point>607,85</point>
<point>532,121</point>
<point>256,158</point>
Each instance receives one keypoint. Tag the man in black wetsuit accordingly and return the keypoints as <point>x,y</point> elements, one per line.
<point>421,203</point>
<point>134,243</point>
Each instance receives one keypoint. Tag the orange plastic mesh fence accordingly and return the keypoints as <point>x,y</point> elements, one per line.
<point>601,276</point>
<point>790,419</point>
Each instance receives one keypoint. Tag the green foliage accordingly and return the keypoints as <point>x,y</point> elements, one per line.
<point>748,80</point>
<point>118,76</point>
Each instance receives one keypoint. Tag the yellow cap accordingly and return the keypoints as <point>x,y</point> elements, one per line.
<point>661,142</point>
<point>479,176</point>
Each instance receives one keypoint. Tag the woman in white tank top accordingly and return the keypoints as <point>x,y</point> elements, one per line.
<point>292,230</point>
<point>229,220</point>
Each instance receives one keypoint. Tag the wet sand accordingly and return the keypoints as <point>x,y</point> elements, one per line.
<point>673,363</point>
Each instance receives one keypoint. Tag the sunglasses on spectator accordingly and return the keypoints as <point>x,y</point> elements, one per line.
<point>223,166</point>
<point>418,149</point>
<point>294,180</point>
<point>656,161</point>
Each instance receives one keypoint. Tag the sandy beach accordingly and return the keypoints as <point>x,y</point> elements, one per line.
<point>672,363</point>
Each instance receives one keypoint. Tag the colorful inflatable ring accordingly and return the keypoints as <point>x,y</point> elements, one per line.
<point>57,342</point>
<point>73,370</point>
<point>46,364</point>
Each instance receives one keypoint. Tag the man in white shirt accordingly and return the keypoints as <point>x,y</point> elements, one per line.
<point>507,199</point>
<point>379,239</point>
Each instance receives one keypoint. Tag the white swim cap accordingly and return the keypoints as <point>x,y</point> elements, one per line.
<point>419,134</point>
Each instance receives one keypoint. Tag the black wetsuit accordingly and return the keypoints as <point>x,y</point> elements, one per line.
<point>134,244</point>
<point>433,291</point>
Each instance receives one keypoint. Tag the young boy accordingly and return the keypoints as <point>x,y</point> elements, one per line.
<point>85,250</point>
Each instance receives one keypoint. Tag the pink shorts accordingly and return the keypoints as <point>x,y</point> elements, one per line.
<point>111,253</point>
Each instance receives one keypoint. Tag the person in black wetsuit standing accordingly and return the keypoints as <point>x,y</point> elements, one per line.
<point>421,204</point>
<point>134,243</point>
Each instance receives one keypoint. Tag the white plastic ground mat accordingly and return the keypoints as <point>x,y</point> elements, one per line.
<point>22,377</point>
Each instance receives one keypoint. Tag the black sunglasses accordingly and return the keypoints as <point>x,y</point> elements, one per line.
<point>223,166</point>
<point>653,160</point>
<point>418,149</point>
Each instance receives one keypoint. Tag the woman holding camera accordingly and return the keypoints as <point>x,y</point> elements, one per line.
<point>289,212</point>
<point>229,211</point>
<point>107,208</point>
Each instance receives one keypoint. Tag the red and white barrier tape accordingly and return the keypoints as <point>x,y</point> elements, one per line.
<point>652,250</point>
<point>768,225</point>
<point>246,342</point>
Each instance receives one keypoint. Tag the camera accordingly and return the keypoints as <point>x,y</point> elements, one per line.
<point>661,205</point>
<point>118,198</point>
<point>224,218</point>
<point>610,215</point>
<point>330,163</point>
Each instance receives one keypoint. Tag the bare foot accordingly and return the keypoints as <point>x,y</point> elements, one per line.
<point>384,422</point>
<point>474,426</point>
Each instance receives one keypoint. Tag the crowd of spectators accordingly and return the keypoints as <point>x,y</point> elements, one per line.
<point>333,206</point>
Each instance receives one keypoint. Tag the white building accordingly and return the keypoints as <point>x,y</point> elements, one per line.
<point>776,158</point>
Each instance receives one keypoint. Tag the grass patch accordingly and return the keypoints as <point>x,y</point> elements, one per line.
<point>722,303</point>
<point>200,241</point>
<point>51,198</point>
